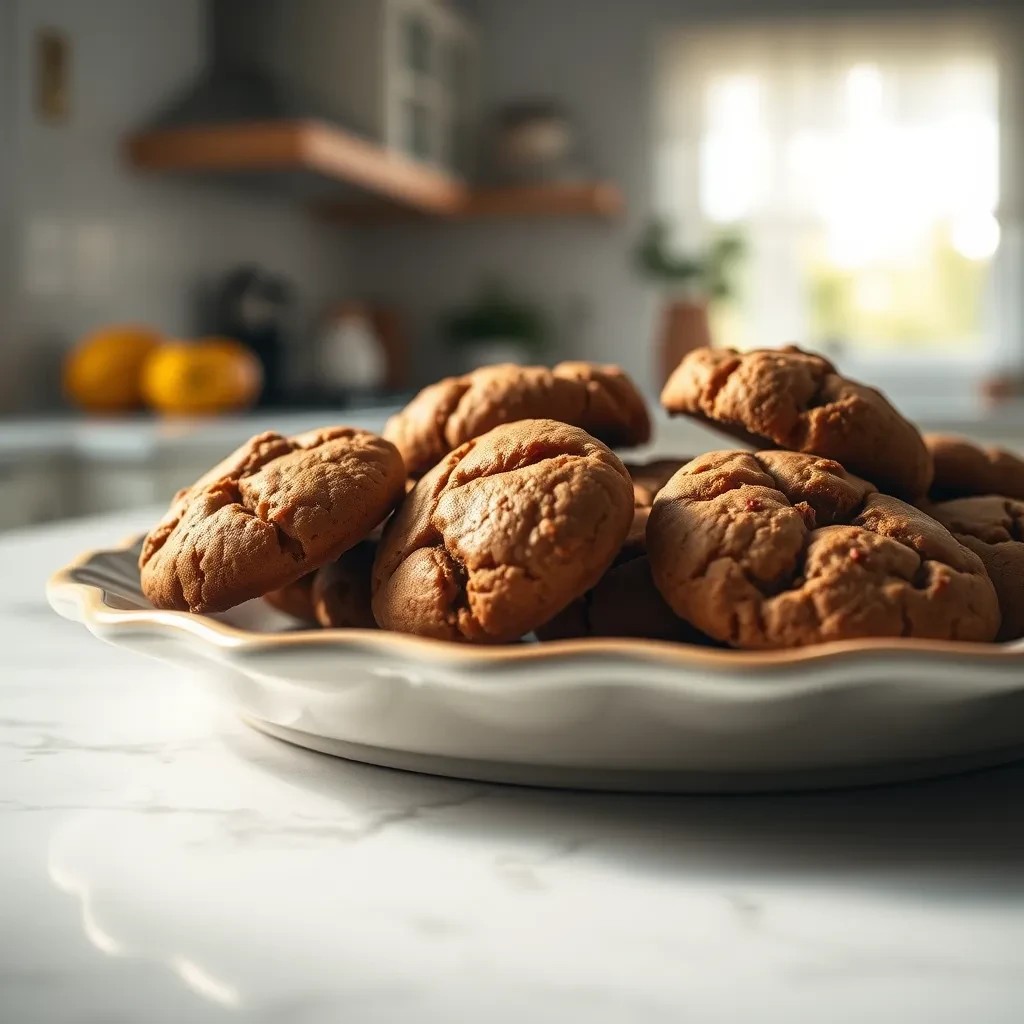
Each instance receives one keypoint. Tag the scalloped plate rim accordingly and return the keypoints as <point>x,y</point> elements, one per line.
<point>67,589</point>
<point>591,713</point>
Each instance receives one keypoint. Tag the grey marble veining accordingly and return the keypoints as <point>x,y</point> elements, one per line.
<point>163,863</point>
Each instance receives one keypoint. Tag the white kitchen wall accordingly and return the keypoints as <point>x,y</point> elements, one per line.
<point>95,242</point>
<point>597,58</point>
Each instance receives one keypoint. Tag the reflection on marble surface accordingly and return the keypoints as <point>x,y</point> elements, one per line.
<point>164,863</point>
<point>234,856</point>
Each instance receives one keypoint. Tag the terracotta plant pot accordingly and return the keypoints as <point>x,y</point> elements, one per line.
<point>684,326</point>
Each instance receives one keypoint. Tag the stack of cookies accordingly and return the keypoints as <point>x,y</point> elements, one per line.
<point>494,508</point>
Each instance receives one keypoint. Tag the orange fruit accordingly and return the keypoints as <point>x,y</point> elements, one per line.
<point>198,378</point>
<point>103,372</point>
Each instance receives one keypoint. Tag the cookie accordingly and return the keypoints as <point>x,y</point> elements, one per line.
<point>341,589</point>
<point>274,510</point>
<point>785,398</point>
<point>649,477</point>
<point>963,469</point>
<point>600,399</point>
<point>778,549</point>
<point>503,533</point>
<point>993,528</point>
<point>295,599</point>
<point>624,602</point>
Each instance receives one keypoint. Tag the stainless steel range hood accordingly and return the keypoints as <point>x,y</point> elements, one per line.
<point>249,76</point>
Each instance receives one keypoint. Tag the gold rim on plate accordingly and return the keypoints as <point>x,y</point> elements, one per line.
<point>90,599</point>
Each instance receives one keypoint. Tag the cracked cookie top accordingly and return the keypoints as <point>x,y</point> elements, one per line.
<point>963,469</point>
<point>275,509</point>
<point>993,528</point>
<point>600,399</point>
<point>503,533</point>
<point>778,549</point>
<point>791,399</point>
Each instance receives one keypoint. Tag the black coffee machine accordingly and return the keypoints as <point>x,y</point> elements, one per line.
<point>253,305</point>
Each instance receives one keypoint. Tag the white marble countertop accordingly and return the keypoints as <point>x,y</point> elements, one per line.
<point>141,438</point>
<point>138,439</point>
<point>161,862</point>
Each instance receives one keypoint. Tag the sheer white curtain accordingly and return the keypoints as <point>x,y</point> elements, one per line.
<point>869,161</point>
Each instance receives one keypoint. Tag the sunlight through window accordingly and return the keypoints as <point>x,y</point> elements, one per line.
<point>861,160</point>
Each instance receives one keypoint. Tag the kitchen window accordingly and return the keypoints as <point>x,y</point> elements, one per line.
<point>866,163</point>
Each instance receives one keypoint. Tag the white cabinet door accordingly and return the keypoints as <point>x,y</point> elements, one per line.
<point>114,487</point>
<point>182,471</point>
<point>33,492</point>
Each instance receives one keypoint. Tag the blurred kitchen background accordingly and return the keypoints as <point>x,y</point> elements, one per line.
<point>218,216</point>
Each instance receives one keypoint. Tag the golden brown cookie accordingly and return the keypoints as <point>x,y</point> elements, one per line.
<point>295,599</point>
<point>504,532</point>
<point>649,477</point>
<point>274,510</point>
<point>993,528</point>
<point>791,399</point>
<point>964,469</point>
<point>341,589</point>
<point>779,549</point>
<point>624,602</point>
<point>600,399</point>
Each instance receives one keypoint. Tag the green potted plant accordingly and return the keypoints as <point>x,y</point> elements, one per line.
<point>496,327</point>
<point>690,282</point>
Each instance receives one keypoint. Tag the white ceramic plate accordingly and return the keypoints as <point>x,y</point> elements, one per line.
<point>621,714</point>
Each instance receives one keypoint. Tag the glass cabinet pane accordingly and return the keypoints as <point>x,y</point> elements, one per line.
<point>416,130</point>
<point>417,44</point>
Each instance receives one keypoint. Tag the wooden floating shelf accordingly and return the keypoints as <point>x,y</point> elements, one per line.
<point>404,187</point>
<point>582,199</point>
<point>598,200</point>
<point>297,146</point>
